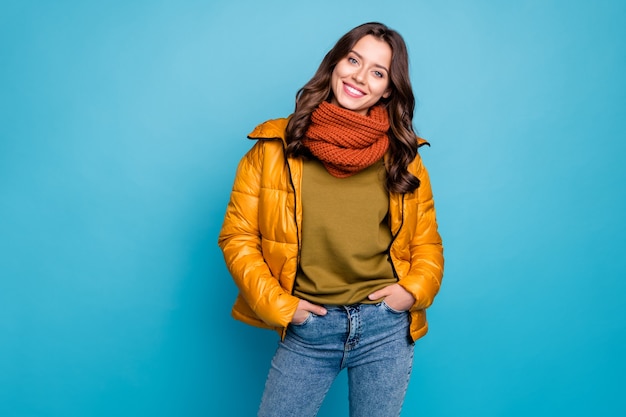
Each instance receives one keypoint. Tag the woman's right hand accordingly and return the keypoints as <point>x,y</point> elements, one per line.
<point>303,310</point>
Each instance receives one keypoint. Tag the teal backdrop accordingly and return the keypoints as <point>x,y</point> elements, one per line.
<point>121,125</point>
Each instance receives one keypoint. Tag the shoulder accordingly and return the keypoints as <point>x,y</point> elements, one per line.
<point>270,143</point>
<point>269,137</point>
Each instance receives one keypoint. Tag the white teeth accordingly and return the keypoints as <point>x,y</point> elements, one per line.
<point>354,90</point>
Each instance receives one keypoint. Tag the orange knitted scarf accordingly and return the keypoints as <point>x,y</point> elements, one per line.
<point>347,142</point>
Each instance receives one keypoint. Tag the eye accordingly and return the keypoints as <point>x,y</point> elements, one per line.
<point>352,60</point>
<point>378,74</point>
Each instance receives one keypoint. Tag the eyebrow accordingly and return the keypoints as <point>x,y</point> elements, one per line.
<point>361,57</point>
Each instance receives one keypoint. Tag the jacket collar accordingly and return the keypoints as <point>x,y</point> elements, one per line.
<point>271,129</point>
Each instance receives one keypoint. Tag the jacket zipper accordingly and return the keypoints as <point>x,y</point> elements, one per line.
<point>393,239</point>
<point>295,214</point>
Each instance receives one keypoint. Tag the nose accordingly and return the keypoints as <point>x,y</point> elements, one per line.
<point>359,75</point>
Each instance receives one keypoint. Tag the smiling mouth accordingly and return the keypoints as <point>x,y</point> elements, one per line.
<point>353,92</point>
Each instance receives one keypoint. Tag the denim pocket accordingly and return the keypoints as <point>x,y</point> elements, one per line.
<point>391,310</point>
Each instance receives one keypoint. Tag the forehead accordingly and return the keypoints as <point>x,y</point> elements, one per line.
<point>373,49</point>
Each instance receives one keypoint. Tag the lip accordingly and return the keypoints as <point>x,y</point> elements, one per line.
<point>352,91</point>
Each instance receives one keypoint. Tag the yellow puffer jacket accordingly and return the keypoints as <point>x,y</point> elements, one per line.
<point>260,237</point>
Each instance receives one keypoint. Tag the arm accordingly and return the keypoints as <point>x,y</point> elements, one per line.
<point>240,241</point>
<point>421,266</point>
<point>426,251</point>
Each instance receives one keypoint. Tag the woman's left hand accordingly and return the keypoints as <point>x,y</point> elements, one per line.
<point>395,296</point>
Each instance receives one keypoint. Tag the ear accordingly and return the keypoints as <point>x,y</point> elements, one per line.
<point>387,93</point>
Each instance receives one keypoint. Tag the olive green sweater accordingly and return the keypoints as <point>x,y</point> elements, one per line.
<point>345,236</point>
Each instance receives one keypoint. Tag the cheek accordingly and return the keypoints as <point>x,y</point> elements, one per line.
<point>341,70</point>
<point>386,86</point>
<point>333,83</point>
<point>381,87</point>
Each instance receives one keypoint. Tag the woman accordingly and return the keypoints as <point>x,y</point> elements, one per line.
<point>330,233</point>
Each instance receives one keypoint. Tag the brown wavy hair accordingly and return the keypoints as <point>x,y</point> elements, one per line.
<point>400,104</point>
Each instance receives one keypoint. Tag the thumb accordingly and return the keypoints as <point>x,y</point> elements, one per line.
<point>378,294</point>
<point>315,309</point>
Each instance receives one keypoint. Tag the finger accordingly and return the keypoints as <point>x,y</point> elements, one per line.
<point>379,294</point>
<point>314,308</point>
<point>319,310</point>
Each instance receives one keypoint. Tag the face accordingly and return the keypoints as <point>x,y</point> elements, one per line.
<point>361,78</point>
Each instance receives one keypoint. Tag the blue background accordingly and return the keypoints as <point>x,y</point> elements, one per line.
<point>121,124</point>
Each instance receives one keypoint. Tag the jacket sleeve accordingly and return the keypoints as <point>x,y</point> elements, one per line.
<point>240,241</point>
<point>426,251</point>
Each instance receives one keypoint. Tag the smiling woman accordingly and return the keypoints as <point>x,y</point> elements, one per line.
<point>361,79</point>
<point>330,233</point>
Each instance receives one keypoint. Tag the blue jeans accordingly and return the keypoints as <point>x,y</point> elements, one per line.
<point>370,340</point>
